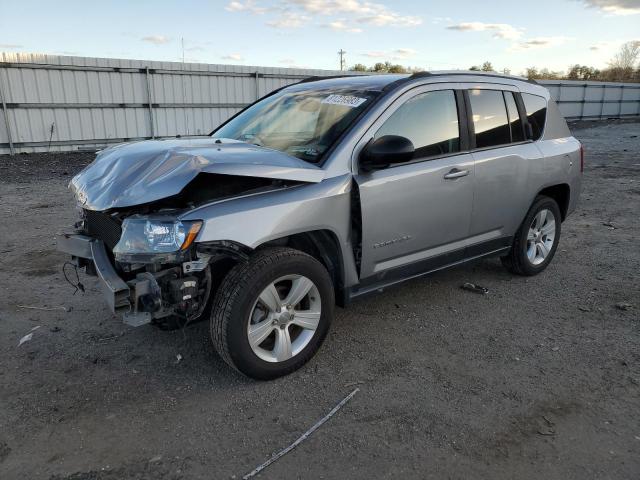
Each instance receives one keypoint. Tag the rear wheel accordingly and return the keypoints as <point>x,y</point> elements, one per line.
<point>272,313</point>
<point>536,241</point>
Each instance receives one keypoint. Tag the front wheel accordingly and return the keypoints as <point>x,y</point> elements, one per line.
<point>536,240</point>
<point>272,313</point>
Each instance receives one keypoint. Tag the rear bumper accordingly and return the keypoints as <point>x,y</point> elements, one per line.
<point>115,290</point>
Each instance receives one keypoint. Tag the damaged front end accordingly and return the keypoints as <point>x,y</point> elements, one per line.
<point>149,262</point>
<point>147,266</point>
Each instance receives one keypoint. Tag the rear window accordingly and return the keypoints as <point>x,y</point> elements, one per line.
<point>490,119</point>
<point>536,108</point>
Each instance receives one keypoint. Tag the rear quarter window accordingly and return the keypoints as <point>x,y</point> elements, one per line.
<point>536,108</point>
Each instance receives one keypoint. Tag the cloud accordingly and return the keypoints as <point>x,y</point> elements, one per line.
<point>615,7</point>
<point>156,39</point>
<point>10,46</point>
<point>342,26</point>
<point>538,42</point>
<point>289,20</point>
<point>236,57</point>
<point>291,63</point>
<point>299,12</point>
<point>246,6</point>
<point>397,54</point>
<point>500,30</point>
<point>386,18</point>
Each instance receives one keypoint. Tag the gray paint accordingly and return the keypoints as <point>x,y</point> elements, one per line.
<point>411,210</point>
<point>141,172</point>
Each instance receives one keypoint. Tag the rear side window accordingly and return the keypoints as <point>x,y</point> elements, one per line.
<point>517,134</point>
<point>430,121</point>
<point>490,119</point>
<point>536,108</point>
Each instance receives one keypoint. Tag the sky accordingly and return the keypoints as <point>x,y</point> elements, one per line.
<point>431,35</point>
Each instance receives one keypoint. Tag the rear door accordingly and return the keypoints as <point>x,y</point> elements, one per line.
<point>504,165</point>
<point>415,216</point>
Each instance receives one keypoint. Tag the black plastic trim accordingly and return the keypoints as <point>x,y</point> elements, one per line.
<point>397,275</point>
<point>471,129</point>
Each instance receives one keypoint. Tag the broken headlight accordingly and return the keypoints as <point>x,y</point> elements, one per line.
<point>148,235</point>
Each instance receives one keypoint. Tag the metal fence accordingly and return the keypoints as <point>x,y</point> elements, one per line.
<point>579,100</point>
<point>55,103</point>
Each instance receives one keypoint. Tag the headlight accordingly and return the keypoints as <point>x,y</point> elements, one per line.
<point>155,235</point>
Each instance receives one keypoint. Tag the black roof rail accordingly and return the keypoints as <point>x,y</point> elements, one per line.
<point>316,78</point>
<point>422,74</point>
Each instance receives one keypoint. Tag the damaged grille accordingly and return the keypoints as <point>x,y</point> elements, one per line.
<point>103,227</point>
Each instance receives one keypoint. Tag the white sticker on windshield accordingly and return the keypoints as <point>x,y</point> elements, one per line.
<point>345,100</point>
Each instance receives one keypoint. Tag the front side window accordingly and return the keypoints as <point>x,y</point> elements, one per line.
<point>302,123</point>
<point>430,121</point>
<point>490,120</point>
<point>536,108</point>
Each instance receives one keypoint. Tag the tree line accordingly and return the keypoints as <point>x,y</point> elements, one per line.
<point>623,67</point>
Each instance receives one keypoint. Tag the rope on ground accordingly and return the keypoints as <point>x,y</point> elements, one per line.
<point>302,438</point>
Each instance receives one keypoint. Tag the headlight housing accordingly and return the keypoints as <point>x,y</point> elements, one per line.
<point>154,235</point>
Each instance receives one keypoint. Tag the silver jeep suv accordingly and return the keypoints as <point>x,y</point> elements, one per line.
<point>321,192</point>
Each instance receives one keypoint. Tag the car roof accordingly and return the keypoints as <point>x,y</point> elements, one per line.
<point>347,82</point>
<point>380,82</point>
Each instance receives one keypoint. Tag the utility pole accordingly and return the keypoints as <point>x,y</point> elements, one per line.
<point>341,52</point>
<point>184,90</point>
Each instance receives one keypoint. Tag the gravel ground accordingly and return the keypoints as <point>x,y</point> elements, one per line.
<point>540,378</point>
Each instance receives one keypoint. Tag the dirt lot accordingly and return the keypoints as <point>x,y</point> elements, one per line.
<point>538,379</point>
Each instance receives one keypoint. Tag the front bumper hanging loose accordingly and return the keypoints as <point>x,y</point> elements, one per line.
<point>115,290</point>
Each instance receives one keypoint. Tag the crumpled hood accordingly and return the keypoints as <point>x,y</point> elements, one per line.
<point>135,173</point>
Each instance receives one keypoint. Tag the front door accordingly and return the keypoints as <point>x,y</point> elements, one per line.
<point>416,216</point>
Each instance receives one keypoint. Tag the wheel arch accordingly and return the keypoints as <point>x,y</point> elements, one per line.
<point>561,193</point>
<point>323,245</point>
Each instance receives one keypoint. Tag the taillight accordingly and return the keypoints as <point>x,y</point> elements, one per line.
<point>581,158</point>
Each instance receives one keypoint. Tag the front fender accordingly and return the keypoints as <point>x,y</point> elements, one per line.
<point>254,220</point>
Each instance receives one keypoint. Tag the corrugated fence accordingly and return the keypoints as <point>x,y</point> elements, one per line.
<point>54,103</point>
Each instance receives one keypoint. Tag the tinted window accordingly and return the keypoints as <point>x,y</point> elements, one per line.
<point>430,121</point>
<point>489,118</point>
<point>517,135</point>
<point>536,108</point>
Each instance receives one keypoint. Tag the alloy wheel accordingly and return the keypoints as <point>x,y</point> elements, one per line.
<point>284,318</point>
<point>540,237</point>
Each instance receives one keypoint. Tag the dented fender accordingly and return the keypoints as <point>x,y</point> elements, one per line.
<point>257,219</point>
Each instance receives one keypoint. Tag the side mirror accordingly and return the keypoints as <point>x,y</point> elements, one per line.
<point>385,151</point>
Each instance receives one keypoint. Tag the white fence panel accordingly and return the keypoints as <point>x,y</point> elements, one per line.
<point>55,103</point>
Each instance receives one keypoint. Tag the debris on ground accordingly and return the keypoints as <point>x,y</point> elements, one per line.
<point>303,437</point>
<point>609,225</point>
<point>623,306</point>
<point>584,308</point>
<point>547,427</point>
<point>28,336</point>
<point>47,309</point>
<point>472,287</point>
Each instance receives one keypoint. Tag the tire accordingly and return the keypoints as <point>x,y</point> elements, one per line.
<point>526,256</point>
<point>239,309</point>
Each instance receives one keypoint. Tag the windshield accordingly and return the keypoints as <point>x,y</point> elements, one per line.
<point>303,124</point>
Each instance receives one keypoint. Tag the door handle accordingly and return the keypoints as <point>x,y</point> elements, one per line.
<point>455,173</point>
